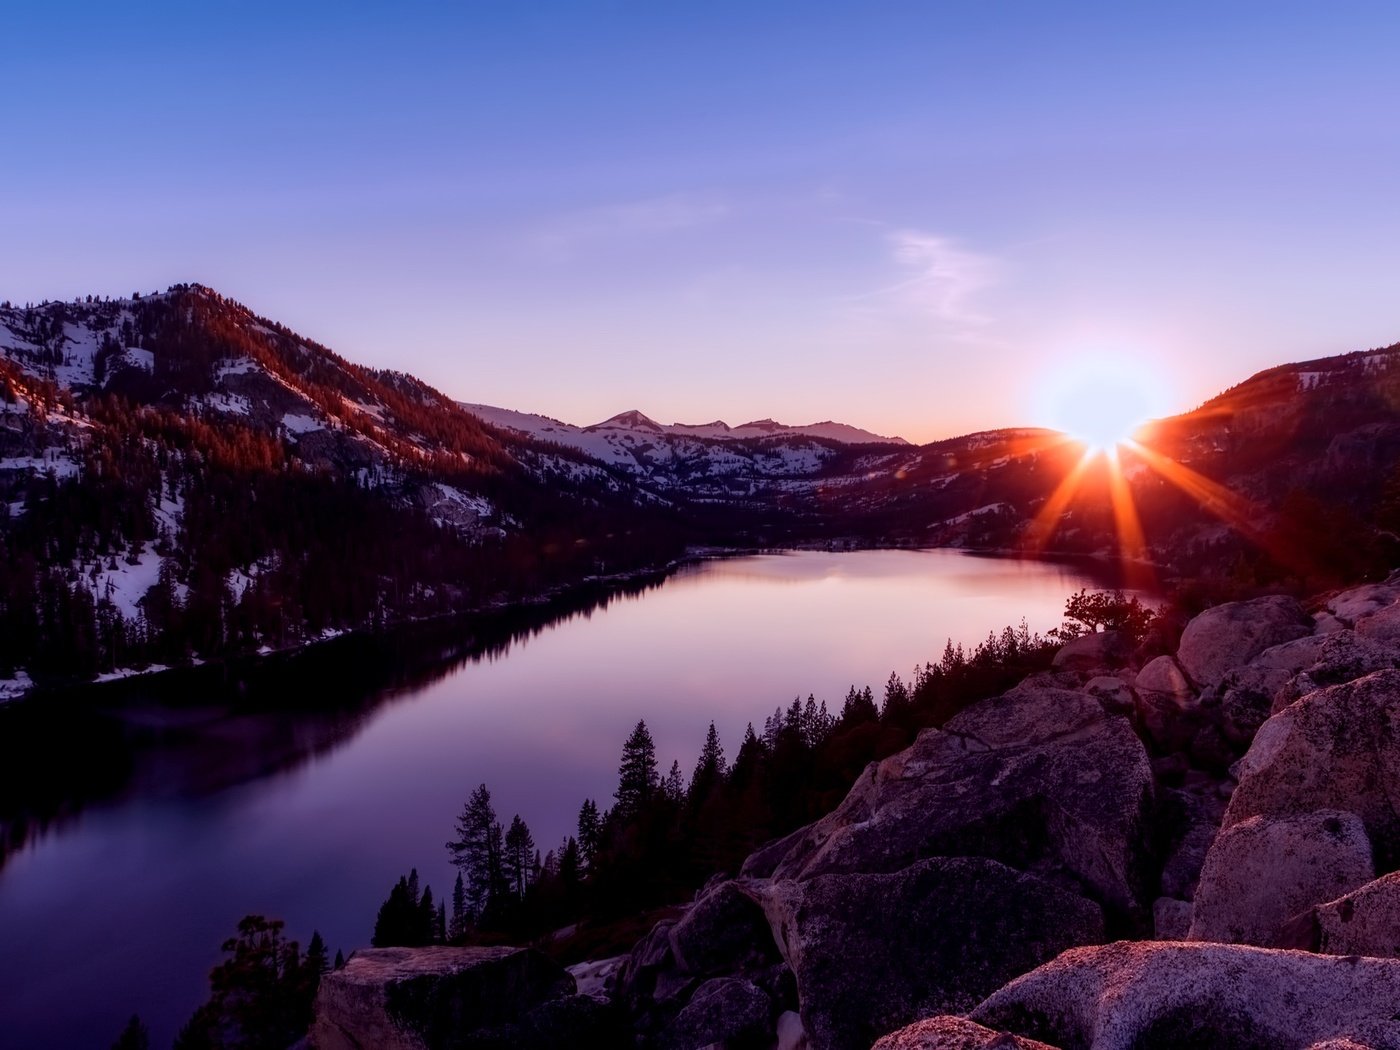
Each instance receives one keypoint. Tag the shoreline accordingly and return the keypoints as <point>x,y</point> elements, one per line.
<point>610,584</point>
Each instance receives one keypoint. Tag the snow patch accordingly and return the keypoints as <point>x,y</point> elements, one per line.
<point>126,585</point>
<point>16,687</point>
<point>297,423</point>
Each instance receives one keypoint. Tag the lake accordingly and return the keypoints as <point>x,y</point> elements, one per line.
<point>147,823</point>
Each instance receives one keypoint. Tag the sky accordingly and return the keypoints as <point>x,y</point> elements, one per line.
<point>920,218</point>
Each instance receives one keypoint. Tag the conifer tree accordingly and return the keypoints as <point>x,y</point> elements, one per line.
<point>590,835</point>
<point>710,768</point>
<point>459,908</point>
<point>519,851</point>
<point>636,775</point>
<point>476,851</point>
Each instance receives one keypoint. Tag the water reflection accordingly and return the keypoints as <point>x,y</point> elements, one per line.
<point>197,731</point>
<point>142,821</point>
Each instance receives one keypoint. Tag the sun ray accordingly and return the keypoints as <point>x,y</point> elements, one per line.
<point>1132,544</point>
<point>1043,528</point>
<point>1239,513</point>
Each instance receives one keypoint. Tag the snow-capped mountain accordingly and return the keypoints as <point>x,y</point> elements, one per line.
<point>707,461</point>
<point>636,423</point>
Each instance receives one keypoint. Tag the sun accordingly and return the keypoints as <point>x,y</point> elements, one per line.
<point>1101,403</point>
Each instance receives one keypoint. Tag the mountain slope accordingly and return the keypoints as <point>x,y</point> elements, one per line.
<point>180,477</point>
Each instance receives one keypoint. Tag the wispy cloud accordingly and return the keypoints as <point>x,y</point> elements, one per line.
<point>942,278</point>
<point>656,216</point>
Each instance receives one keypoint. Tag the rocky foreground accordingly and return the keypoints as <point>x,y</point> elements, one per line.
<point>1197,852</point>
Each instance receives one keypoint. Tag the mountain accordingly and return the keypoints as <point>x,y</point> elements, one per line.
<point>635,423</point>
<point>181,478</point>
<point>756,464</point>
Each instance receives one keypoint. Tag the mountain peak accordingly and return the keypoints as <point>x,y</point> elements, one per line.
<point>633,419</point>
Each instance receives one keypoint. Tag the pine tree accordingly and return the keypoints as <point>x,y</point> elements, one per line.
<point>568,862</point>
<point>135,1036</point>
<point>459,908</point>
<point>636,774</point>
<point>590,835</point>
<point>710,768</point>
<point>316,956</point>
<point>339,963</point>
<point>475,851</point>
<point>519,851</point>
<point>673,787</point>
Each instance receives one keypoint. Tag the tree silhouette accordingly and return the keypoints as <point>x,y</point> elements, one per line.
<point>476,851</point>
<point>636,774</point>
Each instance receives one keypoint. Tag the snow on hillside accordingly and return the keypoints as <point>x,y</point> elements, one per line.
<point>639,425</point>
<point>693,458</point>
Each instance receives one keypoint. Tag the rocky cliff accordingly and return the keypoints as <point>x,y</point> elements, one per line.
<point>1198,850</point>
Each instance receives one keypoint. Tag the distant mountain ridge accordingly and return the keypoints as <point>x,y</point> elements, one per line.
<point>634,420</point>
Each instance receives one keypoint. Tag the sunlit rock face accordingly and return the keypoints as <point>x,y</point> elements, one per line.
<point>1231,634</point>
<point>1163,996</point>
<point>954,1033</point>
<point>1042,779</point>
<point>1336,748</point>
<point>1264,872</point>
<point>1363,922</point>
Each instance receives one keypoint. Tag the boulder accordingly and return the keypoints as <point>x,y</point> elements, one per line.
<point>1245,698</point>
<point>1040,779</point>
<point>431,998</point>
<point>954,1033</point>
<point>1381,626</point>
<point>1168,704</point>
<point>1171,919</point>
<point>1336,748</point>
<point>1358,602</point>
<point>1189,821</point>
<point>1090,652</point>
<point>761,863</point>
<point>1265,871</point>
<point>872,953</point>
<point>1112,692</point>
<point>1172,996</point>
<point>1364,922</point>
<point>1325,660</point>
<point>723,931</point>
<point>649,959</point>
<point>1232,634</point>
<point>725,1010</point>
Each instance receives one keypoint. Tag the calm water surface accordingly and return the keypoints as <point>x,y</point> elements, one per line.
<point>120,906</point>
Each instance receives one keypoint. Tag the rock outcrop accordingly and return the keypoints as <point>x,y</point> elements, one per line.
<point>1232,634</point>
<point>954,1033</point>
<point>1154,996</point>
<point>1337,749</point>
<point>1095,651</point>
<point>1168,704</point>
<point>1237,800</point>
<point>1363,922</point>
<point>448,998</point>
<point>1041,779</point>
<point>873,952</point>
<point>1264,872</point>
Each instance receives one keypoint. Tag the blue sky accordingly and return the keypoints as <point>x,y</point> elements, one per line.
<point>918,218</point>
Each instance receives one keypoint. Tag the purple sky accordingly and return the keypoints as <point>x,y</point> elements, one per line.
<point>917,218</point>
